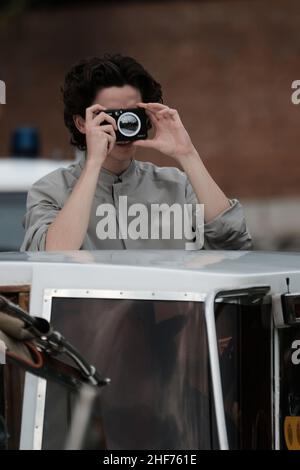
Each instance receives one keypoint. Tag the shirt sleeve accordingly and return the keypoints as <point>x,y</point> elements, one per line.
<point>42,209</point>
<point>227,231</point>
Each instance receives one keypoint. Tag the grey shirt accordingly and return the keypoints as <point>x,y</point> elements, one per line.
<point>141,182</point>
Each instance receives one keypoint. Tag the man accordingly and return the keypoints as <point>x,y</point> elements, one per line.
<point>64,209</point>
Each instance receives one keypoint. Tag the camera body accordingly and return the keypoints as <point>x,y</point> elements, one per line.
<point>132,123</point>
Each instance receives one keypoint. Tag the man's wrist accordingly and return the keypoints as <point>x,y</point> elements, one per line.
<point>187,160</point>
<point>93,164</point>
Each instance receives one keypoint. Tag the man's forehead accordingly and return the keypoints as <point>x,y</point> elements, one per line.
<point>124,96</point>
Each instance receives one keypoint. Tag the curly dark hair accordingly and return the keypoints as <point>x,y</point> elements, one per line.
<point>89,76</point>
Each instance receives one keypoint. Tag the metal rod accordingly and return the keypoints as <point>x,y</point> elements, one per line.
<point>215,369</point>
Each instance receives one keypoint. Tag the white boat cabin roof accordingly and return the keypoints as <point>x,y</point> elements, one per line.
<point>234,262</point>
<point>162,270</point>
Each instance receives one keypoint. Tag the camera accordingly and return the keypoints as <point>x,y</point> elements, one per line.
<point>132,123</point>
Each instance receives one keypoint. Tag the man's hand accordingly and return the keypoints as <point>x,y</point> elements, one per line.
<point>69,228</point>
<point>100,139</point>
<point>171,137</point>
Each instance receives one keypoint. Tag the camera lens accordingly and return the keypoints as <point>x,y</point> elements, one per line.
<point>129,124</point>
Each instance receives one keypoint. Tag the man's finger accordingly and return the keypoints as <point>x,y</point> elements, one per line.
<point>101,117</point>
<point>108,128</point>
<point>112,136</point>
<point>150,143</point>
<point>153,117</point>
<point>164,113</point>
<point>153,106</point>
<point>111,142</point>
<point>169,113</point>
<point>89,112</point>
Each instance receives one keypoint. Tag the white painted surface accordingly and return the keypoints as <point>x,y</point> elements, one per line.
<point>163,270</point>
<point>20,174</point>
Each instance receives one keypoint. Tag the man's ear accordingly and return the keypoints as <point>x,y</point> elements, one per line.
<point>79,123</point>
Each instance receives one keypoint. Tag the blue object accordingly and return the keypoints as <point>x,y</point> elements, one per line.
<point>25,142</point>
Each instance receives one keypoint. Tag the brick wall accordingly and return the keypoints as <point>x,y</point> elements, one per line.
<point>226,66</point>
